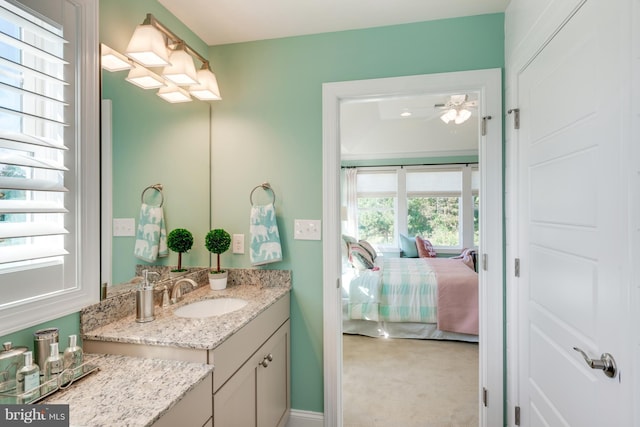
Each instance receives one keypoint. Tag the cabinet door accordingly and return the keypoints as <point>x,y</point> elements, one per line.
<point>272,387</point>
<point>234,404</point>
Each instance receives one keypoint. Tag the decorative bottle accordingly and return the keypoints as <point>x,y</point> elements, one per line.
<point>53,363</point>
<point>28,379</point>
<point>73,355</point>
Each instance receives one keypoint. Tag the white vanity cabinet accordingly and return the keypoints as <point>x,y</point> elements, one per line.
<point>252,386</point>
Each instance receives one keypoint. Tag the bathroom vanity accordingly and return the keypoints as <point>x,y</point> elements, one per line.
<point>248,349</point>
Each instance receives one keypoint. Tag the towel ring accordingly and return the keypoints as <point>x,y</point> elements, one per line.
<point>265,186</point>
<point>158,188</point>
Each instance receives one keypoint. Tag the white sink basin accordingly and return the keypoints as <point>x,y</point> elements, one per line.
<point>210,307</point>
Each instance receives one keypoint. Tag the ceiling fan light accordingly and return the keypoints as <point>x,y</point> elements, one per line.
<point>462,116</point>
<point>147,47</point>
<point>181,72</point>
<point>207,87</point>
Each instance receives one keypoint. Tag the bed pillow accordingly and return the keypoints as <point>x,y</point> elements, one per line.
<point>369,249</point>
<point>466,256</point>
<point>425,248</point>
<point>360,257</point>
<point>408,246</point>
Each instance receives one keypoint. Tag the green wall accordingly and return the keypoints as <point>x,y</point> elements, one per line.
<point>67,325</point>
<point>268,127</point>
<point>155,142</point>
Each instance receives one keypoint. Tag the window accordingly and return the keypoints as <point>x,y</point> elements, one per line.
<point>377,195</point>
<point>439,202</point>
<point>49,184</point>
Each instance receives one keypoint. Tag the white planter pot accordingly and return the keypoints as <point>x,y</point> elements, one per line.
<point>218,281</point>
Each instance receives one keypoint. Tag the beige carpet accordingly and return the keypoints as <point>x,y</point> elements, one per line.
<point>409,383</point>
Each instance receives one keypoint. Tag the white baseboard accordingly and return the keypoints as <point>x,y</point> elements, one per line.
<point>299,418</point>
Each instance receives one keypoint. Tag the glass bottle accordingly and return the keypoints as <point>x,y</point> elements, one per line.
<point>73,354</point>
<point>53,363</point>
<point>28,379</point>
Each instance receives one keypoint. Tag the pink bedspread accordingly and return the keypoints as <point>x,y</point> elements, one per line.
<point>457,296</point>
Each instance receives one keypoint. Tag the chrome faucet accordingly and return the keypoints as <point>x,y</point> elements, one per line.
<point>176,292</point>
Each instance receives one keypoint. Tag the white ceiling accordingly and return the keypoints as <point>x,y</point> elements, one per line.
<point>374,129</point>
<point>231,21</point>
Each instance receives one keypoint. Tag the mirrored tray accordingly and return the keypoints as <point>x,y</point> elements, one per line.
<point>62,381</point>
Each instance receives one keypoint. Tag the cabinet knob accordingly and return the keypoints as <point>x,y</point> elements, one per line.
<point>265,361</point>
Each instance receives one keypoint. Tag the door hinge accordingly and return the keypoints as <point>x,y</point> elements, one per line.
<point>516,267</point>
<point>516,117</point>
<point>484,396</point>
<point>484,124</point>
<point>517,416</point>
<point>485,262</point>
<point>338,283</point>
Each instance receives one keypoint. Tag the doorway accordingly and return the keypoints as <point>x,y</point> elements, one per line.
<point>487,83</point>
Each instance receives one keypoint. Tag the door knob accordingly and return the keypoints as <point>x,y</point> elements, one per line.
<point>606,363</point>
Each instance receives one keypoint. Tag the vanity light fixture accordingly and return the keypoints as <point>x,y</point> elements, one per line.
<point>174,94</point>
<point>207,87</point>
<point>181,71</point>
<point>153,46</point>
<point>144,78</point>
<point>148,45</point>
<point>113,60</point>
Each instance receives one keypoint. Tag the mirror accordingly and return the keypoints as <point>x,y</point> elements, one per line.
<point>147,141</point>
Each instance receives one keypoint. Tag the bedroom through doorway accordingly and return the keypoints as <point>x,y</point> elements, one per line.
<point>405,181</point>
<point>410,229</point>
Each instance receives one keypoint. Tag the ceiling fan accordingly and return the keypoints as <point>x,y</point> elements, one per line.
<point>457,109</point>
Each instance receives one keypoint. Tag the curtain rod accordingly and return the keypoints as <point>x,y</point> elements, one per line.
<point>417,164</point>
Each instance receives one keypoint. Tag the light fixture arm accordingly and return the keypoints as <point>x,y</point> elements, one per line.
<point>151,20</point>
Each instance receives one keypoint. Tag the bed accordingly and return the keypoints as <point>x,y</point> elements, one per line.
<point>426,298</point>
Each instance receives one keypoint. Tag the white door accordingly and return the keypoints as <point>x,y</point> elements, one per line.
<point>572,238</point>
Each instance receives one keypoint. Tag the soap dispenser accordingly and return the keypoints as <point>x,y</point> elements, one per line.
<point>144,298</point>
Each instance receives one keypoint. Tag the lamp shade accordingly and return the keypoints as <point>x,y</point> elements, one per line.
<point>174,94</point>
<point>463,116</point>
<point>147,46</point>
<point>181,71</point>
<point>207,87</point>
<point>112,60</point>
<point>144,78</point>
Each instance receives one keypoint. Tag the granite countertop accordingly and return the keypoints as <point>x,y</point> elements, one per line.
<point>205,333</point>
<point>151,386</point>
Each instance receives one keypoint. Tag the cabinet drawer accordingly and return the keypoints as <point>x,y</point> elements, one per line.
<point>229,356</point>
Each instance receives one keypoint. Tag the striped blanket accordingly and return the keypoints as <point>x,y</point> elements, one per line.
<point>410,290</point>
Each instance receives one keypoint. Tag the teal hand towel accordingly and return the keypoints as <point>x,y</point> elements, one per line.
<point>265,239</point>
<point>151,234</point>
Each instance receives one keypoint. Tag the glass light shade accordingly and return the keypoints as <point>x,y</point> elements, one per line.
<point>112,60</point>
<point>146,79</point>
<point>174,94</point>
<point>147,46</point>
<point>449,115</point>
<point>463,116</point>
<point>181,71</point>
<point>207,87</point>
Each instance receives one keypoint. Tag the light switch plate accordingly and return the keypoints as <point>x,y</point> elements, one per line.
<point>307,229</point>
<point>124,227</point>
<point>238,243</point>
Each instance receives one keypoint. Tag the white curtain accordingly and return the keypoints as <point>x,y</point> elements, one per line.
<point>349,209</point>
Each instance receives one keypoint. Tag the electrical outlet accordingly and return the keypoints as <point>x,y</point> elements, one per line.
<point>238,243</point>
<point>124,227</point>
<point>307,229</point>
